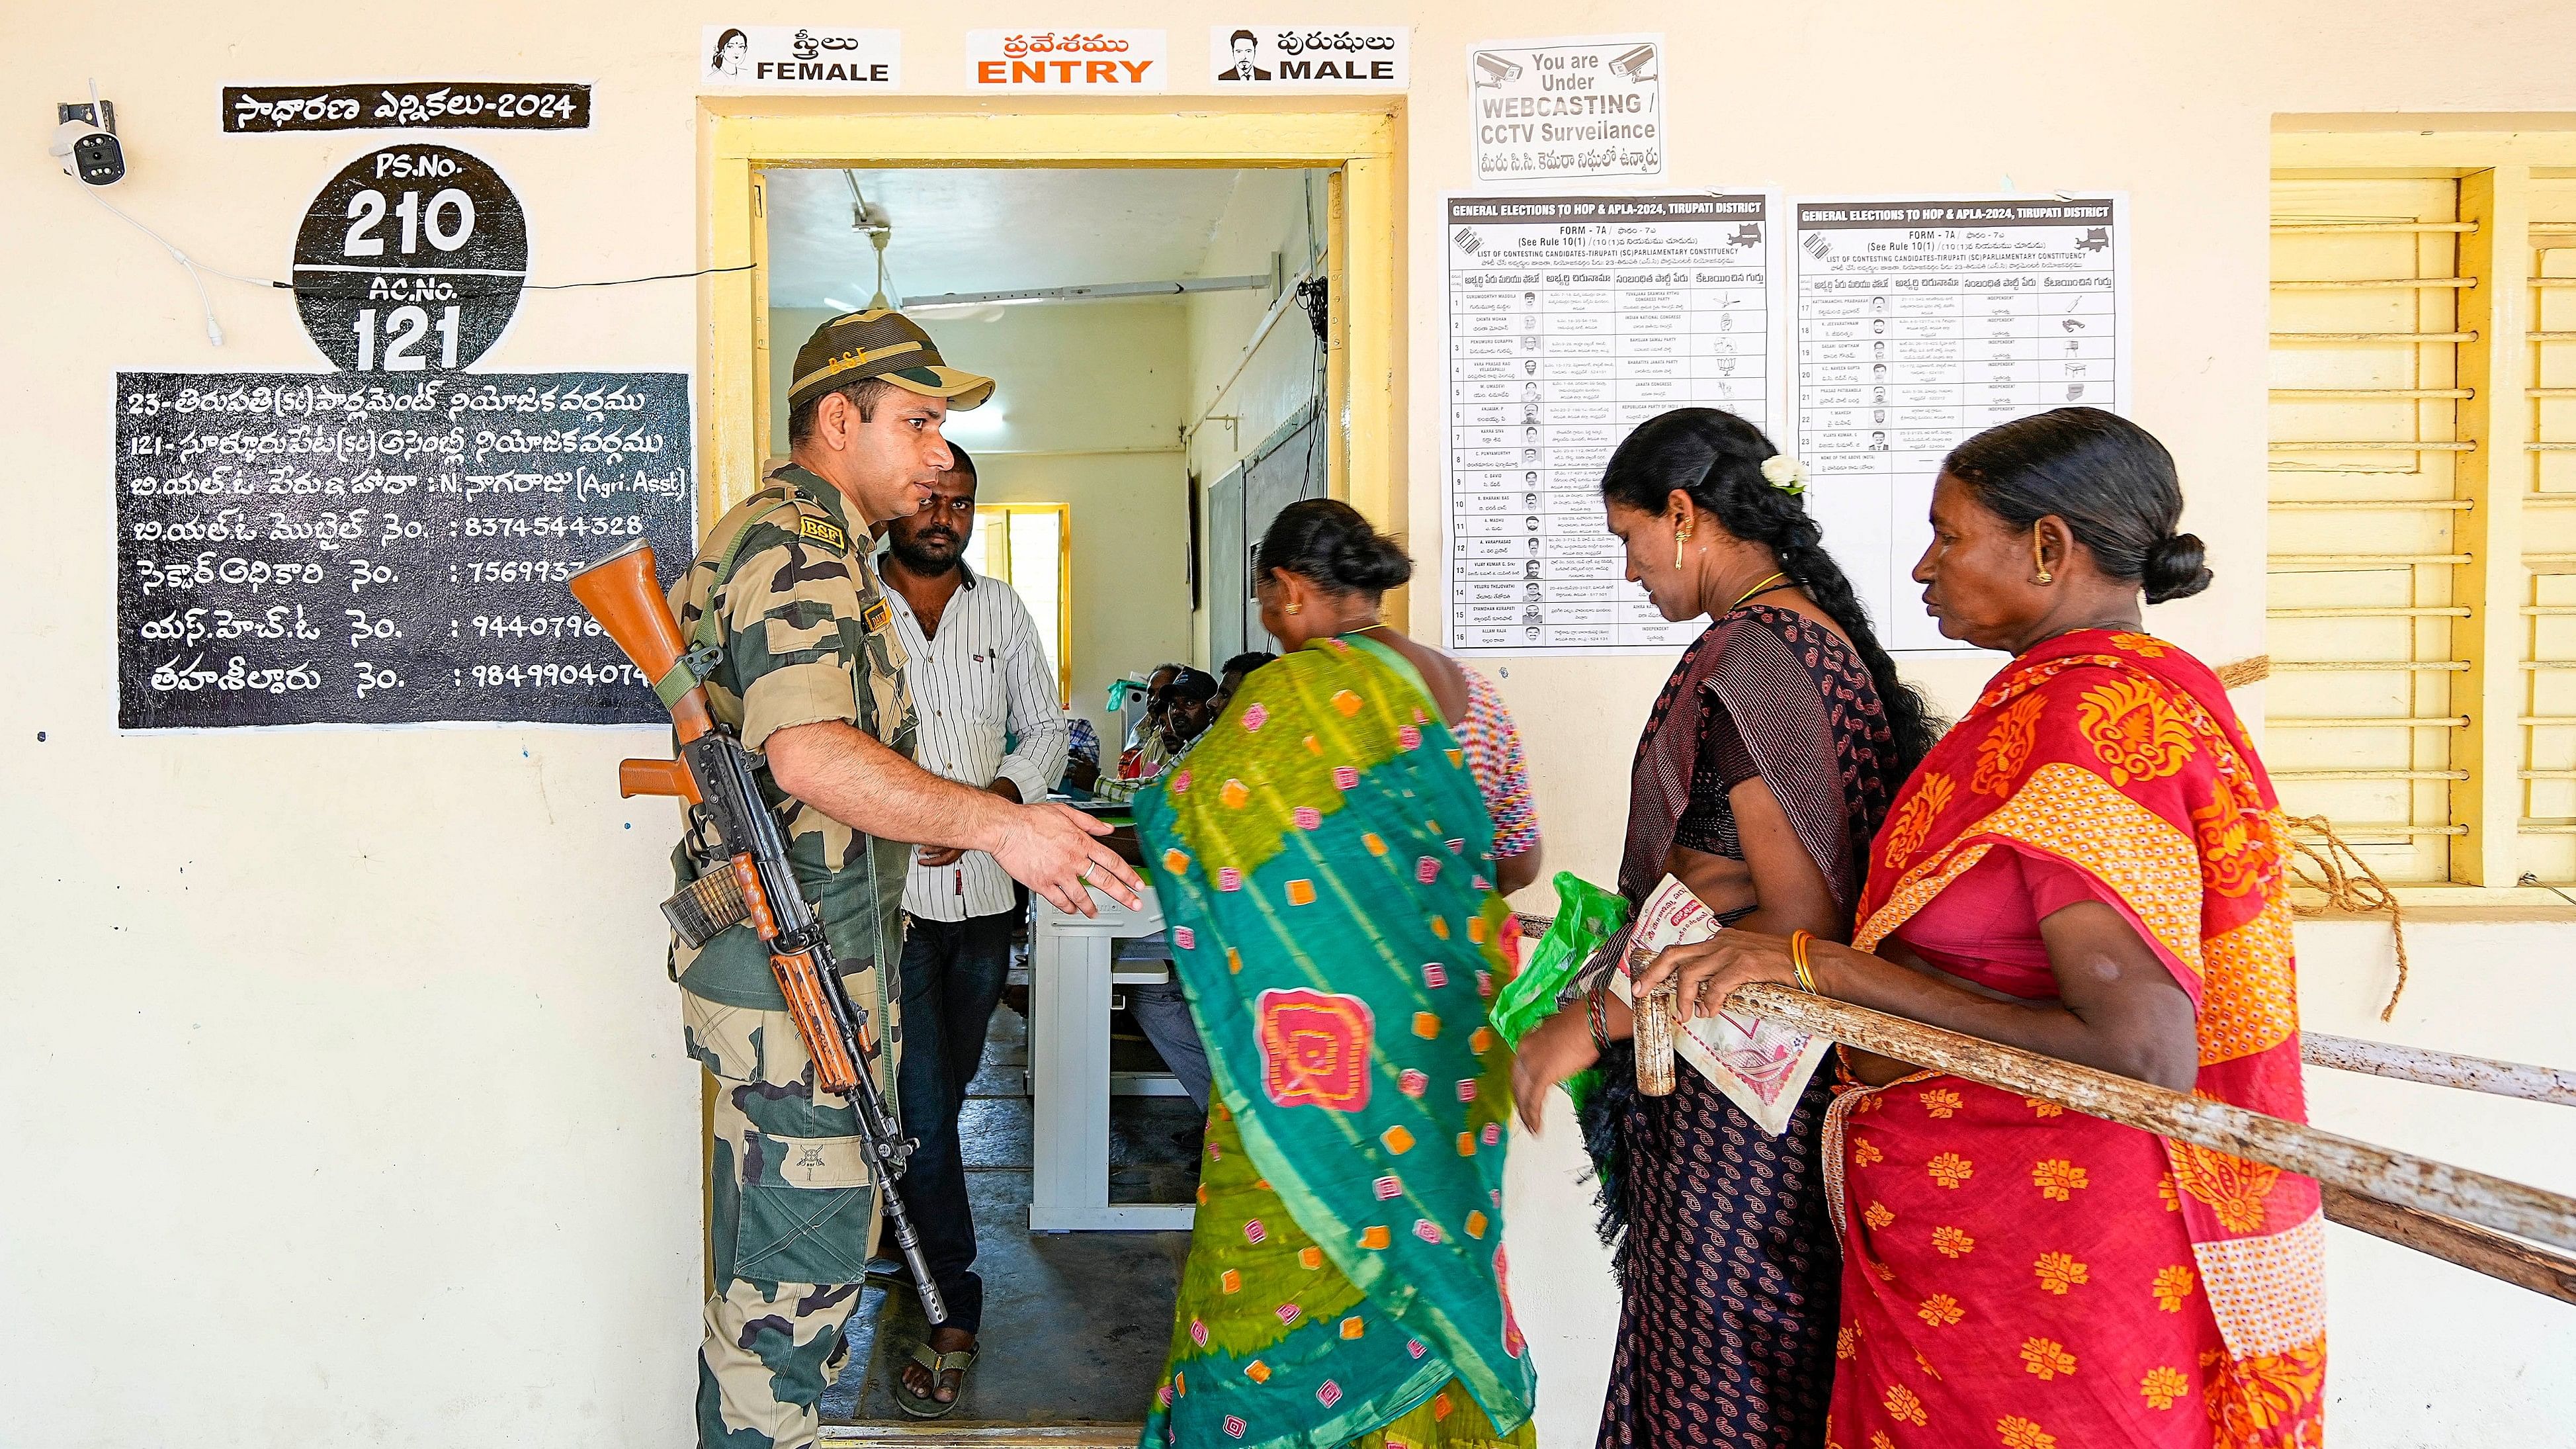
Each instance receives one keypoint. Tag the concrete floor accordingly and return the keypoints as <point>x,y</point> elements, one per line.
<point>1075,1324</point>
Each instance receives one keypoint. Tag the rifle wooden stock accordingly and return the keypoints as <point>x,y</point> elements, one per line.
<point>621,592</point>
<point>655,777</point>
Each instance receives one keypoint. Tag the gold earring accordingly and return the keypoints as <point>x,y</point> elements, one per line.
<point>2046,577</point>
<point>1679,534</point>
<point>1293,608</point>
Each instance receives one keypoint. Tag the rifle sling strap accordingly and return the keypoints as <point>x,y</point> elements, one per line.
<point>706,637</point>
<point>706,652</point>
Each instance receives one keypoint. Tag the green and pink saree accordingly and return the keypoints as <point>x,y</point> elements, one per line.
<point>1324,860</point>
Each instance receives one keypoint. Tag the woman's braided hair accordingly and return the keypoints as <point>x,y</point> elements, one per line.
<point>1716,458</point>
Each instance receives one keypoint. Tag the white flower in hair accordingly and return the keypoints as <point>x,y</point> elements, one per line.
<point>1785,473</point>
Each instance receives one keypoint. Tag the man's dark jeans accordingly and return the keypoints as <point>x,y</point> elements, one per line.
<point>953,972</point>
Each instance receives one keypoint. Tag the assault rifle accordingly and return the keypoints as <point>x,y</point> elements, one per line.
<point>744,873</point>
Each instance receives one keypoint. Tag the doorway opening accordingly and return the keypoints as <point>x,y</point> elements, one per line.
<point>1172,308</point>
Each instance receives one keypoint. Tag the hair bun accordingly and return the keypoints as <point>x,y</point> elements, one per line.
<point>1334,545</point>
<point>1370,561</point>
<point>2174,568</point>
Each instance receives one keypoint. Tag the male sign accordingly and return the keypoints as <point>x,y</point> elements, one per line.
<point>1274,57</point>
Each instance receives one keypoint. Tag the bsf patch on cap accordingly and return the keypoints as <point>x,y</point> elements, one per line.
<point>884,343</point>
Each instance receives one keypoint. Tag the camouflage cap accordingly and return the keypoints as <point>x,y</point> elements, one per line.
<point>883,343</point>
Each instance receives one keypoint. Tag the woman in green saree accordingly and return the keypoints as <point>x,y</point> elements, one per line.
<point>1325,858</point>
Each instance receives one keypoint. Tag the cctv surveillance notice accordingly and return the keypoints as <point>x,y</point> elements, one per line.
<point>1572,319</point>
<point>1921,323</point>
<point>1574,110</point>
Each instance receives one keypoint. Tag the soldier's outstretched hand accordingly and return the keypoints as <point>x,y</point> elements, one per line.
<point>1054,850</point>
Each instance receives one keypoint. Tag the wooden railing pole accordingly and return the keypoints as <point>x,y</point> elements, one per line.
<point>2475,1249</point>
<point>2397,1177</point>
<point>2440,1068</point>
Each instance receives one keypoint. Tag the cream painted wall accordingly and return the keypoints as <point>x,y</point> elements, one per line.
<point>1242,397</point>
<point>342,1083</point>
<point>1086,412</point>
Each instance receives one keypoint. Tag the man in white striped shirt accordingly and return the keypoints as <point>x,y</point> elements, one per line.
<point>990,716</point>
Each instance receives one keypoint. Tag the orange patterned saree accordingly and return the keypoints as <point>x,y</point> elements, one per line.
<point>2022,1275</point>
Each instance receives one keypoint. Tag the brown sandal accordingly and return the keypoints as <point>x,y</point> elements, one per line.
<point>928,1406</point>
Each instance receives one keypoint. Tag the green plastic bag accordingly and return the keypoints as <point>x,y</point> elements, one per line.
<point>1586,916</point>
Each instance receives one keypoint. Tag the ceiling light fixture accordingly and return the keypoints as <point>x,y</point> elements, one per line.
<point>1096,292</point>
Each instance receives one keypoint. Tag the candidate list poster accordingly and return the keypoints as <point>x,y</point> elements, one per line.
<point>1922,322</point>
<point>1572,319</point>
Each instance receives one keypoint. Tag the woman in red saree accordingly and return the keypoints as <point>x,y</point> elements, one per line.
<point>2087,866</point>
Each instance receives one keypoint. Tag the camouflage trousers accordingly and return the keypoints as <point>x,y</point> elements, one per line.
<point>793,1222</point>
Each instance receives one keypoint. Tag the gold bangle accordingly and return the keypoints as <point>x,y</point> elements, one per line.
<point>1798,961</point>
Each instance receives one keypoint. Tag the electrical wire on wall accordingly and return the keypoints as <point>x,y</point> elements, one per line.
<point>1314,294</point>
<point>194,269</point>
<point>1310,294</point>
<point>197,271</point>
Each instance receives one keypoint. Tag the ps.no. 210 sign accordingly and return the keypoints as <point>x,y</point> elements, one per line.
<point>410,260</point>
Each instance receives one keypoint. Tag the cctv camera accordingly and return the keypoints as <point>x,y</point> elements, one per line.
<point>89,153</point>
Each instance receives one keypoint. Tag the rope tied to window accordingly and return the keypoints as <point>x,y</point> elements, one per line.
<point>2355,888</point>
<point>2245,671</point>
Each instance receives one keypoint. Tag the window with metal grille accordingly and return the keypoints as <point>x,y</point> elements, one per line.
<point>2422,583</point>
<point>2547,834</point>
<point>2367,534</point>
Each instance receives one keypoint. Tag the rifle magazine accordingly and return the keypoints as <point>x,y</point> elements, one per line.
<point>707,907</point>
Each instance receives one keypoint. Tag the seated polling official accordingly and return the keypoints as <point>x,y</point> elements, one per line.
<point>979,678</point>
<point>1190,705</point>
<point>1082,755</point>
<point>1192,694</point>
<point>1145,754</point>
<point>1230,678</point>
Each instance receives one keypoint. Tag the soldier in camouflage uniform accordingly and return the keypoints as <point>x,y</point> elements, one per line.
<point>812,676</point>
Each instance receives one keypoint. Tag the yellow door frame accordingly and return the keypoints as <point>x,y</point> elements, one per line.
<point>993,520</point>
<point>1361,143</point>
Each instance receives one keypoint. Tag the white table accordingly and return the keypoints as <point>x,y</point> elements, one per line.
<point>1073,969</point>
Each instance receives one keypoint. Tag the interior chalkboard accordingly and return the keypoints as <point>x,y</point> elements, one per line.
<point>323,549</point>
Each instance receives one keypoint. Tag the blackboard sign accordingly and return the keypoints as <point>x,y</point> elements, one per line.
<point>301,549</point>
<point>417,105</point>
<point>410,260</point>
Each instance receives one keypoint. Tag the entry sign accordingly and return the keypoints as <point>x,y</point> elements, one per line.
<point>798,58</point>
<point>410,260</point>
<point>1553,110</point>
<point>1293,58</point>
<point>1066,60</point>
